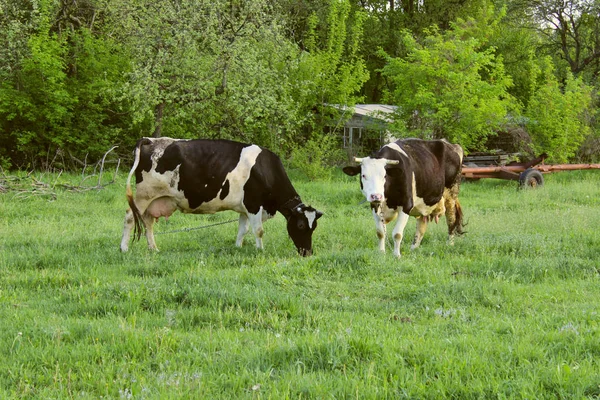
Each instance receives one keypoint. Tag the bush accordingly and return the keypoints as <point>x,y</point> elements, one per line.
<point>558,116</point>
<point>316,156</point>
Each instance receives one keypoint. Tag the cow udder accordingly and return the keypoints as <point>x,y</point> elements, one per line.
<point>162,207</point>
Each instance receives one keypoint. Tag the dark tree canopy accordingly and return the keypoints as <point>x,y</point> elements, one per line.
<point>79,76</point>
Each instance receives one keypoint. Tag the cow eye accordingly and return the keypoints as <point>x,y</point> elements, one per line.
<point>301,224</point>
<point>364,176</point>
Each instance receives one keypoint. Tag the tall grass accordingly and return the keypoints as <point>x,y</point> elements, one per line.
<point>510,311</point>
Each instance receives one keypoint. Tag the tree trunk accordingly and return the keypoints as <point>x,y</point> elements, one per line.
<point>158,119</point>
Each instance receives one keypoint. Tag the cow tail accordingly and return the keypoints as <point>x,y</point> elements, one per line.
<point>459,223</point>
<point>137,216</point>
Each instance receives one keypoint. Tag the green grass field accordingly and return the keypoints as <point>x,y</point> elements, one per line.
<point>510,311</point>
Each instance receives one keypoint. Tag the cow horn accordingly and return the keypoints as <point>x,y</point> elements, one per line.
<point>394,162</point>
<point>357,159</point>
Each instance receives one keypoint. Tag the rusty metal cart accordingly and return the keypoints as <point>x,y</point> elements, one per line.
<point>529,174</point>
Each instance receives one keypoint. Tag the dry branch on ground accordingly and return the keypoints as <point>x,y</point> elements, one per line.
<point>31,185</point>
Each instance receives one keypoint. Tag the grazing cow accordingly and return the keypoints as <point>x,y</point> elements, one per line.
<point>412,177</point>
<point>208,176</point>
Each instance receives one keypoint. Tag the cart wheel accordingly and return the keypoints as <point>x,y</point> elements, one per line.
<point>531,178</point>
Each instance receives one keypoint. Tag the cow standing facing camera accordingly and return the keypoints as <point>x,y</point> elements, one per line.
<point>412,177</point>
<point>203,176</point>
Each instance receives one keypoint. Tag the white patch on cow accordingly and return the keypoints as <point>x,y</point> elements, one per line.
<point>155,185</point>
<point>394,146</point>
<point>419,206</point>
<point>460,151</point>
<point>373,177</point>
<point>256,221</point>
<point>310,216</point>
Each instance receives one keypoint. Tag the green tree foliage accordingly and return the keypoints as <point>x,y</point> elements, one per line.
<point>225,69</point>
<point>171,55</point>
<point>34,101</point>
<point>57,88</point>
<point>387,19</point>
<point>557,116</point>
<point>329,72</point>
<point>450,85</point>
<point>517,43</point>
<point>82,76</point>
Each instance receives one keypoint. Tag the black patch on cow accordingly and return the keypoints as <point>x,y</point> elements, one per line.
<point>224,190</point>
<point>171,158</point>
<point>398,186</point>
<point>435,166</point>
<point>206,165</point>
<point>203,166</point>
<point>145,163</point>
<point>268,185</point>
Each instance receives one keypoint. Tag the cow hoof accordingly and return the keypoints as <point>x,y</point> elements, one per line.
<point>124,249</point>
<point>397,255</point>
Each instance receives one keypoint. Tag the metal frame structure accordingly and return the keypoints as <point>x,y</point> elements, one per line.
<point>528,174</point>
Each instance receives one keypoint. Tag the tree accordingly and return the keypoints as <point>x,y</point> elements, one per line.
<point>330,72</point>
<point>569,29</point>
<point>387,19</point>
<point>34,102</point>
<point>450,85</point>
<point>169,43</point>
<point>205,68</point>
<point>570,26</point>
<point>557,118</point>
<point>330,69</point>
<point>59,85</point>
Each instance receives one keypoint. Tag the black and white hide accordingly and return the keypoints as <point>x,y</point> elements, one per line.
<point>207,176</point>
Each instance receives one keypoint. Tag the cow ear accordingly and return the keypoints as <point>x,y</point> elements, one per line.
<point>351,170</point>
<point>319,214</point>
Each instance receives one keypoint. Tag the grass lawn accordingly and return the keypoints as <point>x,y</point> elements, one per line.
<point>510,311</point>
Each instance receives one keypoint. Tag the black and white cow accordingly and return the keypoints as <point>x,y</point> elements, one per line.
<point>412,177</point>
<point>207,176</point>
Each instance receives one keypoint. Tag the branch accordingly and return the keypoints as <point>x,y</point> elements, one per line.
<point>102,165</point>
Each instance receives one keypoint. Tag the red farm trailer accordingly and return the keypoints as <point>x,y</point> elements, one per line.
<point>529,174</point>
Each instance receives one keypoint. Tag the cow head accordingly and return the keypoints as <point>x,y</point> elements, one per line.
<point>372,177</point>
<point>300,225</point>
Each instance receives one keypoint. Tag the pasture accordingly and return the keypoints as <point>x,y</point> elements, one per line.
<point>512,310</point>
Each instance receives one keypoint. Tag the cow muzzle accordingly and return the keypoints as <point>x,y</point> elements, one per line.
<point>305,252</point>
<point>375,198</point>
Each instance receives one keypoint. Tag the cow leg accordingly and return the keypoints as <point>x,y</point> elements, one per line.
<point>148,221</point>
<point>421,228</point>
<point>256,221</point>
<point>398,232</point>
<point>128,226</point>
<point>381,230</point>
<point>242,230</point>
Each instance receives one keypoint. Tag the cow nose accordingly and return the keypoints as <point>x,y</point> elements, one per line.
<point>376,197</point>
